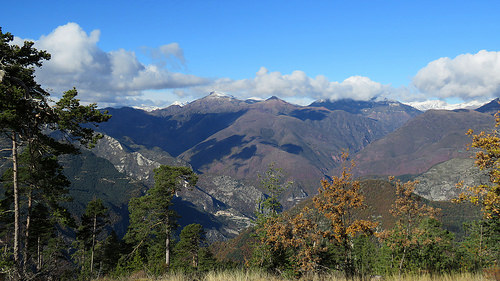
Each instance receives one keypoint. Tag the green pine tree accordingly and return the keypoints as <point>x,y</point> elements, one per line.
<point>26,115</point>
<point>188,247</point>
<point>92,224</point>
<point>151,216</point>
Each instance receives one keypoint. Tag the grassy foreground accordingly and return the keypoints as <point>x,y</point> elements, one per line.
<point>237,275</point>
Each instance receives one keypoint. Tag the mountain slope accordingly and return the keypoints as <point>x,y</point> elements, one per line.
<point>173,133</point>
<point>221,135</point>
<point>439,182</point>
<point>304,141</point>
<point>430,138</point>
<point>490,108</point>
<point>223,205</point>
<point>391,114</point>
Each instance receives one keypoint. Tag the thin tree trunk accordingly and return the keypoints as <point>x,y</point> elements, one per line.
<point>195,260</point>
<point>93,244</point>
<point>27,233</point>
<point>16,201</point>
<point>167,243</point>
<point>402,261</point>
<point>39,255</point>
<point>480,253</point>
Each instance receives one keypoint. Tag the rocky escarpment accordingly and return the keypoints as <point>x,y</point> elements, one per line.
<point>134,161</point>
<point>439,182</point>
<point>223,205</point>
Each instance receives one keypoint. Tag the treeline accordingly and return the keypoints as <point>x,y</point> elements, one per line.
<point>334,234</point>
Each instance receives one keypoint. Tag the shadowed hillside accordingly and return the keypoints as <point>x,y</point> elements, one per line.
<point>433,137</point>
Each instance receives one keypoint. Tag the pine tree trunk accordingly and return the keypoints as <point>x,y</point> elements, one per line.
<point>16,202</point>
<point>27,233</point>
<point>195,260</point>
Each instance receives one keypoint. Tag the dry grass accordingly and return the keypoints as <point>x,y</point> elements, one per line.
<point>239,275</point>
<point>453,277</point>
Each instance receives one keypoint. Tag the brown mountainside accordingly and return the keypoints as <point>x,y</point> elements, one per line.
<point>221,135</point>
<point>430,138</point>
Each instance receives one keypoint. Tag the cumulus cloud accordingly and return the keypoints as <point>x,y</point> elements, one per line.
<point>169,55</point>
<point>112,78</point>
<point>468,76</point>
<point>299,86</point>
<point>119,78</point>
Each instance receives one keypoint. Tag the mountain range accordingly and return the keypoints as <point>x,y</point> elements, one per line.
<point>221,135</point>
<point>229,142</point>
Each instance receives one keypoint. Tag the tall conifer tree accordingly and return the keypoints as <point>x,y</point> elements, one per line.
<point>25,118</point>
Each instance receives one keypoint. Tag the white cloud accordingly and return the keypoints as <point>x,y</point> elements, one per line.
<point>298,86</point>
<point>104,77</point>
<point>468,76</point>
<point>172,49</point>
<point>119,78</point>
<point>169,55</point>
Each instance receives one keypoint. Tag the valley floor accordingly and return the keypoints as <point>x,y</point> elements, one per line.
<point>257,276</point>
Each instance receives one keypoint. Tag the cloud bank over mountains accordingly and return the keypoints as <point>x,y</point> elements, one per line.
<point>297,86</point>
<point>468,76</point>
<point>118,78</point>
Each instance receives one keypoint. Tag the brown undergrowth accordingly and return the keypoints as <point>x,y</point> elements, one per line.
<point>251,275</point>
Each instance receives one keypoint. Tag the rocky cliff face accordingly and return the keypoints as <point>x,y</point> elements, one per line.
<point>222,204</point>
<point>439,182</point>
<point>134,161</point>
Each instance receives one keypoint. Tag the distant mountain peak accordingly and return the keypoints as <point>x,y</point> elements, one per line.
<point>491,108</point>
<point>215,94</point>
<point>274,98</point>
<point>178,103</point>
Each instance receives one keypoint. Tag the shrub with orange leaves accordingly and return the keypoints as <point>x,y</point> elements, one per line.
<point>338,201</point>
<point>298,234</point>
<point>487,158</point>
<point>487,195</point>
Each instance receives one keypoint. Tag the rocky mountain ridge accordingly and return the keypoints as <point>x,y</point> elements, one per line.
<point>221,135</point>
<point>227,204</point>
<point>229,142</point>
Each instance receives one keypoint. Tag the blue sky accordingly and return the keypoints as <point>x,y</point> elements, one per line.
<point>152,53</point>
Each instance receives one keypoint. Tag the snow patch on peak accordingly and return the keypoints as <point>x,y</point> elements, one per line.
<point>255,99</point>
<point>178,103</point>
<point>439,104</point>
<point>215,94</point>
<point>146,108</point>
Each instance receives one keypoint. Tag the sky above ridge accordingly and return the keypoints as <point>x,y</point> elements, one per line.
<point>153,53</point>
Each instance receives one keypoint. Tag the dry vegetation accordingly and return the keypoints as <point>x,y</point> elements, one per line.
<point>240,275</point>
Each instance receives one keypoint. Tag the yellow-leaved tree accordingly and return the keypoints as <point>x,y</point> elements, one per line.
<point>487,158</point>
<point>338,201</point>
<point>486,195</point>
